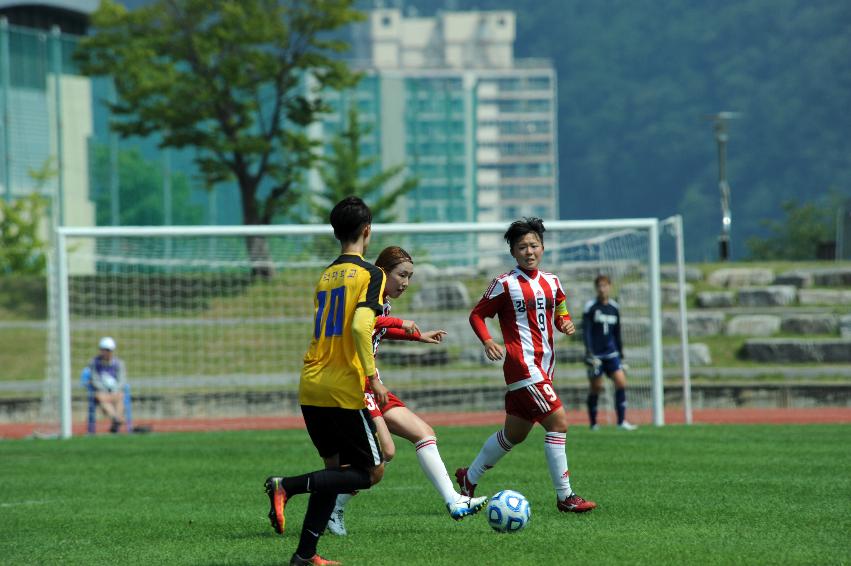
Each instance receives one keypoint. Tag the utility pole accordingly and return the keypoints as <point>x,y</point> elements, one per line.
<point>720,121</point>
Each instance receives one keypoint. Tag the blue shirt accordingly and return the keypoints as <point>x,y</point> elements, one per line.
<point>601,329</point>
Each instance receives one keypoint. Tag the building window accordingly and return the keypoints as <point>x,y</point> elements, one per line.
<point>386,21</point>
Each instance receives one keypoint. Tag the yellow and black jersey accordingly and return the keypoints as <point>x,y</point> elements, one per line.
<point>335,364</point>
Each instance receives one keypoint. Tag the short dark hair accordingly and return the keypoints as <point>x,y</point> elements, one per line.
<point>602,277</point>
<point>349,217</point>
<point>520,228</point>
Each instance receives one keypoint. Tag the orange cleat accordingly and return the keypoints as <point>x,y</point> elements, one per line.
<point>277,501</point>
<point>317,560</point>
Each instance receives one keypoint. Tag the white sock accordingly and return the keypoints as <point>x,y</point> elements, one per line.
<point>342,499</point>
<point>554,448</point>
<point>492,452</point>
<point>434,469</point>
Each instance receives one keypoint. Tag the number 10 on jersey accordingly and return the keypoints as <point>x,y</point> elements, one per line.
<point>336,307</point>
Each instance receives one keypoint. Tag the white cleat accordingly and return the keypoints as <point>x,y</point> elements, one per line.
<point>336,524</point>
<point>626,425</point>
<point>466,506</point>
<point>595,427</point>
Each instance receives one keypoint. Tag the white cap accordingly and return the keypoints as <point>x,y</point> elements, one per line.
<point>107,343</point>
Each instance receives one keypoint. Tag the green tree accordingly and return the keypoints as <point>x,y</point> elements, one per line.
<point>228,78</point>
<point>796,237</point>
<point>344,173</point>
<point>140,193</point>
<point>22,250</point>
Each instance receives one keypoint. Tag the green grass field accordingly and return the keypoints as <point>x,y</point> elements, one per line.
<point>676,495</point>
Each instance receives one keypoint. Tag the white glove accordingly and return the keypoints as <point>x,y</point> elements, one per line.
<point>109,382</point>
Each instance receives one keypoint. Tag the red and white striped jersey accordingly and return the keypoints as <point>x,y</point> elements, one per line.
<point>526,305</point>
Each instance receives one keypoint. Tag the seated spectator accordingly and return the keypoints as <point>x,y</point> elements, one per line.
<point>108,378</point>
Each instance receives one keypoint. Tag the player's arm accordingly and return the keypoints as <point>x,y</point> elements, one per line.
<point>487,307</point>
<point>617,332</point>
<point>429,336</point>
<point>121,373</point>
<point>586,331</point>
<point>363,325</point>
<point>563,322</point>
<point>587,322</point>
<point>95,378</point>
<point>393,325</point>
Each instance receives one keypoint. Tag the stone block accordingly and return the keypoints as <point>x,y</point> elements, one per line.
<point>587,271</point>
<point>633,294</point>
<point>798,278</point>
<point>715,299</point>
<point>425,355</point>
<point>741,276</point>
<point>638,294</point>
<point>671,293</point>
<point>832,277</point>
<point>634,326</point>
<point>458,330</point>
<point>570,354</point>
<point>845,326</point>
<point>699,323</point>
<point>426,272</point>
<point>578,293</point>
<point>824,297</point>
<point>445,295</point>
<point>801,350</point>
<point>698,355</point>
<point>669,273</point>
<point>809,323</point>
<point>753,325</point>
<point>771,296</point>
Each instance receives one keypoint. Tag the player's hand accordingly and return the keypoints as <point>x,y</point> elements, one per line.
<point>432,336</point>
<point>565,325</point>
<point>380,391</point>
<point>410,327</point>
<point>494,351</point>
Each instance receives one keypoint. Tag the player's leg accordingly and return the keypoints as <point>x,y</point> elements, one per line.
<point>106,403</point>
<point>595,387</point>
<point>337,522</point>
<point>500,443</point>
<point>405,423</point>
<point>555,441</point>
<point>351,434</point>
<point>347,432</point>
<point>618,376</point>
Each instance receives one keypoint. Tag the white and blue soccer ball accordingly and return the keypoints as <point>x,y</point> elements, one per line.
<point>508,511</point>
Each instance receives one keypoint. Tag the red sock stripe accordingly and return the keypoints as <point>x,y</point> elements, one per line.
<point>424,443</point>
<point>553,439</point>
<point>503,443</point>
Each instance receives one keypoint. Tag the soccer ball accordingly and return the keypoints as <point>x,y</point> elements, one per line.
<point>508,511</point>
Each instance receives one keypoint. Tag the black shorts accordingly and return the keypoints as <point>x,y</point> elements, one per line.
<point>347,432</point>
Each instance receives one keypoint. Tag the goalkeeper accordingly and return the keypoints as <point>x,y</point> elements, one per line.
<point>108,381</point>
<point>601,332</point>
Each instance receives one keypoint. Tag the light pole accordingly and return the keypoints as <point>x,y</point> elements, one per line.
<point>720,121</point>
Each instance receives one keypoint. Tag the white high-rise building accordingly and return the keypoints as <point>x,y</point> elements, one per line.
<point>446,96</point>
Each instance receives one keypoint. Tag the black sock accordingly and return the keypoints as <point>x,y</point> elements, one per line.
<point>620,404</point>
<point>592,408</point>
<point>331,480</point>
<point>319,508</point>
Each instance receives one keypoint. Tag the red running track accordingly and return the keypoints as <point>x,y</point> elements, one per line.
<point>702,416</point>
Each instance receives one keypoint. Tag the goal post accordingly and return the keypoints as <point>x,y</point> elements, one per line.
<point>204,337</point>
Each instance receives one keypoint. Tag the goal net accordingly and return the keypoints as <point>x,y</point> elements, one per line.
<point>212,322</point>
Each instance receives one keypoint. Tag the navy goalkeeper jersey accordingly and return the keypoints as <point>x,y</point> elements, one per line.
<point>601,329</point>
